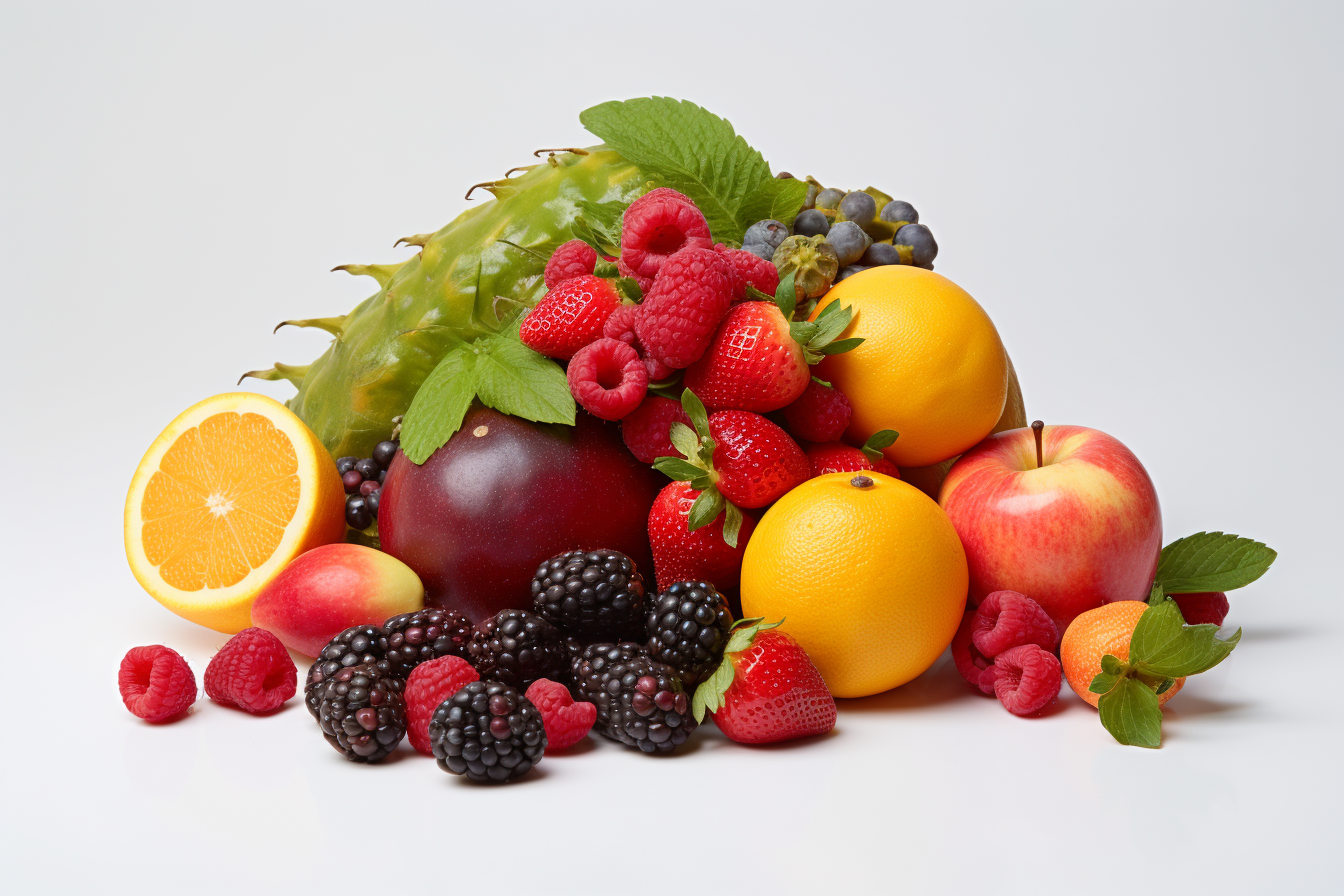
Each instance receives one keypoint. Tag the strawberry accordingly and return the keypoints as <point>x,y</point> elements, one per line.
<point>837,457</point>
<point>570,316</point>
<point>821,414</point>
<point>766,689</point>
<point>683,554</point>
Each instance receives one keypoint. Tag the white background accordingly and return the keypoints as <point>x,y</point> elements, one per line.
<point>1146,198</point>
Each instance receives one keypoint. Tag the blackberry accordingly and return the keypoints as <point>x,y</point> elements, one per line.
<point>359,645</point>
<point>574,648</point>
<point>517,647</point>
<point>362,713</point>
<point>598,594</point>
<point>640,702</point>
<point>411,638</point>
<point>688,627</point>
<point>488,732</point>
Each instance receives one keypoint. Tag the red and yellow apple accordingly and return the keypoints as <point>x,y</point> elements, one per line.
<point>1081,529</point>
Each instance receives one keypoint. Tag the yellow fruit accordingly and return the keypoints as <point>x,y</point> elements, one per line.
<point>931,366</point>
<point>871,580</point>
<point>228,494</point>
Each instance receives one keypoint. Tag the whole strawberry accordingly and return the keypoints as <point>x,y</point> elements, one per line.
<point>683,554</point>
<point>837,457</point>
<point>766,690</point>
<point>681,311</point>
<point>820,414</point>
<point>570,316</point>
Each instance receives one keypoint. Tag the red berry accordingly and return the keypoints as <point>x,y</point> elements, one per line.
<point>608,379</point>
<point>1006,619</point>
<point>750,269</point>
<point>887,468</point>
<point>820,414</point>
<point>156,683</point>
<point>1202,607</point>
<point>621,326</point>
<point>646,428</point>
<point>570,316</point>
<point>658,371</point>
<point>1026,679</point>
<point>680,555</point>
<point>573,259</point>
<point>973,665</point>
<point>756,461</point>
<point>752,363</point>
<point>431,683</point>
<point>776,693</point>
<point>645,283</point>
<point>565,721</point>
<point>253,672</point>
<point>680,313</point>
<point>658,225</point>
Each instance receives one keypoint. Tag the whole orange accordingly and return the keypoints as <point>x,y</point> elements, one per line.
<point>1095,633</point>
<point>931,366</point>
<point>867,573</point>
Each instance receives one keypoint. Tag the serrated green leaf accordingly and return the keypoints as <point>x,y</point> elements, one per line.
<point>786,296</point>
<point>732,523</point>
<point>676,468</point>
<point>1112,665</point>
<point>1158,627</point>
<point>1212,561</point>
<point>684,439</point>
<point>442,401</point>
<point>695,409</point>
<point>840,346</point>
<point>1130,712</point>
<point>1103,682</point>
<point>705,510</point>
<point>1196,650</point>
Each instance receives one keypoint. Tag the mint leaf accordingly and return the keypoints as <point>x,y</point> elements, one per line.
<point>698,153</point>
<point>513,379</point>
<point>1212,561</point>
<point>437,410</point>
<point>1157,629</point>
<point>1103,682</point>
<point>1196,650</point>
<point>1131,713</point>
<point>602,223</point>
<point>1111,665</point>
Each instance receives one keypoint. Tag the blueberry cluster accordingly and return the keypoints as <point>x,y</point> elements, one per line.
<point>363,481</point>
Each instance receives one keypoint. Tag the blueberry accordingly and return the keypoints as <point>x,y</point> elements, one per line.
<point>383,453</point>
<point>811,222</point>
<point>368,468</point>
<point>881,253</point>
<point>858,207</point>
<point>849,241</point>
<point>898,211</point>
<point>829,198</point>
<point>345,465</point>
<point>357,514</point>
<point>923,248</point>
<point>764,237</point>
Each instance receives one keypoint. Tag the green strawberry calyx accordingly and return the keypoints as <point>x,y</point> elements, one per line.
<point>818,338</point>
<point>710,695</point>
<point>696,466</point>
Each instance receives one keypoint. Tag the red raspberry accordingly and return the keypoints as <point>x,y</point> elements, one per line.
<point>973,665</point>
<point>570,316</point>
<point>646,428</point>
<point>821,414</point>
<point>658,371</point>
<point>621,326</point>
<point>156,683</point>
<point>645,283</point>
<point>1202,607</point>
<point>431,683</point>
<point>608,379</point>
<point>252,671</point>
<point>573,259</point>
<point>1026,679</point>
<point>656,226</point>
<point>679,315</point>
<point>749,268</point>
<point>1007,619</point>
<point>565,721</point>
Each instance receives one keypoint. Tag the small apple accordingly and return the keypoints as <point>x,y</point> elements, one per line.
<point>1063,514</point>
<point>324,591</point>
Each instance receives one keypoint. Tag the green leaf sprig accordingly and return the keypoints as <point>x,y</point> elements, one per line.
<point>696,466</point>
<point>817,337</point>
<point>1212,561</point>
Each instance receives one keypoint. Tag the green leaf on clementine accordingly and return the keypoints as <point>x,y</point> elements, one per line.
<point>1130,712</point>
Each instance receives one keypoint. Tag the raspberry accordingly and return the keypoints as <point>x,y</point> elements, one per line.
<point>570,316</point>
<point>1026,679</point>
<point>680,313</point>
<point>645,283</point>
<point>253,672</point>
<point>658,225</point>
<point>657,370</point>
<point>646,428</point>
<point>749,268</point>
<point>430,684</point>
<point>973,665</point>
<point>1202,608</point>
<point>565,721</point>
<point>573,259</point>
<point>156,683</point>
<point>621,326</point>
<point>608,379</point>
<point>821,414</point>
<point>1007,619</point>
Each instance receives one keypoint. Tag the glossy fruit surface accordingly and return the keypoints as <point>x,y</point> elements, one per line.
<point>867,573</point>
<point>504,495</point>
<point>233,490</point>
<point>752,363</point>
<point>931,367</point>
<point>777,694</point>
<point>1093,635</point>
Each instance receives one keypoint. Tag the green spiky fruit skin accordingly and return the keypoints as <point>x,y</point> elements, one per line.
<point>447,294</point>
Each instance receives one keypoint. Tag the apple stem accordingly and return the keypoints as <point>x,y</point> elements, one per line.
<point>1036,428</point>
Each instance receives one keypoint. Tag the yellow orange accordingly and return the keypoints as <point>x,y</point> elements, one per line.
<point>228,494</point>
<point>931,367</point>
<point>870,578</point>
<point>1092,635</point>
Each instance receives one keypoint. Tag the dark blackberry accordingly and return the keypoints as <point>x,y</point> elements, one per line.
<point>597,594</point>
<point>640,702</point>
<point>359,645</point>
<point>574,648</point>
<point>362,713</point>
<point>488,732</point>
<point>517,647</point>
<point>687,627</point>
<point>411,638</point>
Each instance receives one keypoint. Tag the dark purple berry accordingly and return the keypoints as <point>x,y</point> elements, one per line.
<point>345,465</point>
<point>367,468</point>
<point>368,487</point>
<point>383,453</point>
<point>357,515</point>
<point>371,501</point>
<point>351,480</point>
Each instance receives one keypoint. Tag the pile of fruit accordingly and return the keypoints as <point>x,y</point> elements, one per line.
<point>653,438</point>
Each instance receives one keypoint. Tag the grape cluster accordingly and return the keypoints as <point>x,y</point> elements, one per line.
<point>363,481</point>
